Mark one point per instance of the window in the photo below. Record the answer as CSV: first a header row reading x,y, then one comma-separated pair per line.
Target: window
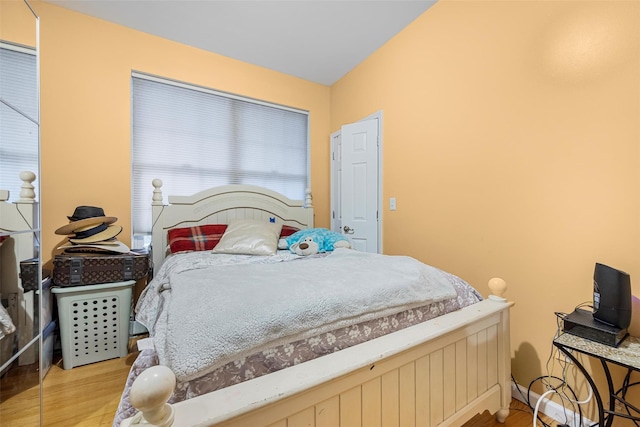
x,y
18,115
195,138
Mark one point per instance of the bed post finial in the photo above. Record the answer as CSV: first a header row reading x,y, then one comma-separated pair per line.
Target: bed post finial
x,y
498,287
157,191
307,198
27,193
149,394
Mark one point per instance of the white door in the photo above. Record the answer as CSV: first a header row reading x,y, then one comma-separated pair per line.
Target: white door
x,y
359,184
336,181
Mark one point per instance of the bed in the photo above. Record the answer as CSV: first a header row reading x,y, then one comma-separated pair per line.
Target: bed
x,y
436,359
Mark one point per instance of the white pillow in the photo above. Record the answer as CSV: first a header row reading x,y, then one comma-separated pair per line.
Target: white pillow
x,y
249,237
282,244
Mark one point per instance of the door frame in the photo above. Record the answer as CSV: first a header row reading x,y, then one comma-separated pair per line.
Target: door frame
x,y
334,138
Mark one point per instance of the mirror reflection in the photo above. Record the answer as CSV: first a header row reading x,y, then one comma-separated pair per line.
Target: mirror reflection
x,y
20,280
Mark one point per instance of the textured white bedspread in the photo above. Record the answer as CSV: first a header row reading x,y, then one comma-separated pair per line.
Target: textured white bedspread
x,y
216,315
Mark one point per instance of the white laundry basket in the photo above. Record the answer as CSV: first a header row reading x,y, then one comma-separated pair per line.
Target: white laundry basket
x,y
94,322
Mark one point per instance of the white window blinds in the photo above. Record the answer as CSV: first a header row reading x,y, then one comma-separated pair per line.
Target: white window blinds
x,y
195,138
18,115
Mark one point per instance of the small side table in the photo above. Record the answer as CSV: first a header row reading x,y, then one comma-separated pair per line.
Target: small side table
x,y
627,355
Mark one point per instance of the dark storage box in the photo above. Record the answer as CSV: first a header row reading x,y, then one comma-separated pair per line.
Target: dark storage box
x,y
90,269
29,274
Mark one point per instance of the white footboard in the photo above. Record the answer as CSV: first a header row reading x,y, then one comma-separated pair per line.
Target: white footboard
x,y
440,372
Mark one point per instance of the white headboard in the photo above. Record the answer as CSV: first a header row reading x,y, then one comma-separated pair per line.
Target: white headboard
x,y
219,205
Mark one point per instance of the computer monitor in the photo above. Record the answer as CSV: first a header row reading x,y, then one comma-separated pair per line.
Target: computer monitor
x,y
611,296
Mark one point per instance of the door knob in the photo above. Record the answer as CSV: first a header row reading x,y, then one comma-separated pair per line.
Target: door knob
x,y
348,230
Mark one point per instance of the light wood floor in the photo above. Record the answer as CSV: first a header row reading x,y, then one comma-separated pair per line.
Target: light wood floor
x,y
519,416
89,395
83,396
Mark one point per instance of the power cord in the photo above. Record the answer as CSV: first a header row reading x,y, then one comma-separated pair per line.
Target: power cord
x,y
564,391
535,412
621,394
575,402
546,381
527,400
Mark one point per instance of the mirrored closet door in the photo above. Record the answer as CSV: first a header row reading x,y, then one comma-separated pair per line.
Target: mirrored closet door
x,y
22,320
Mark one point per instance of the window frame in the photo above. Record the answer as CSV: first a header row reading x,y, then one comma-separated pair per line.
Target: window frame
x,y
14,184
139,238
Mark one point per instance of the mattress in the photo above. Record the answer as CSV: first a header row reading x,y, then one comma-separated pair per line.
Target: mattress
x,y
153,301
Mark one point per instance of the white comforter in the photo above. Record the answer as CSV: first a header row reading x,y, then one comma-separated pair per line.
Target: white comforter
x,y
216,315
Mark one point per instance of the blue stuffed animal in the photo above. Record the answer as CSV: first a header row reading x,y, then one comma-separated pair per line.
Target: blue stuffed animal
x,y
305,247
304,242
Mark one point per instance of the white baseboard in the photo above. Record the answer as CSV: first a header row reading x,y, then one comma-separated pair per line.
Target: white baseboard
x,y
549,407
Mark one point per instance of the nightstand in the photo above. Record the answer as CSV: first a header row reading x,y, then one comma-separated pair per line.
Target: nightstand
x,y
627,355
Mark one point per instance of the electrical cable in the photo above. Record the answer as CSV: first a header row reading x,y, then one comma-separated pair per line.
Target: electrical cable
x,y
565,392
535,412
622,391
587,400
563,384
585,304
574,402
526,400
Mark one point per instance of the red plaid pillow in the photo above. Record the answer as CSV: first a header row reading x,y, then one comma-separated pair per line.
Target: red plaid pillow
x,y
206,237
287,231
197,238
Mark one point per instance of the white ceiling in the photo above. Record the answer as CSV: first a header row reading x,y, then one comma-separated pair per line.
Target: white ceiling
x,y
317,40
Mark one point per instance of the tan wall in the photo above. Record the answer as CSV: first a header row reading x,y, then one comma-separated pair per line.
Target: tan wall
x,y
17,23
511,144
86,69
510,139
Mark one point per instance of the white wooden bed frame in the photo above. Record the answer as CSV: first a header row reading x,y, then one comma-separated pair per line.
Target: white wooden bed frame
x,y
219,205
439,372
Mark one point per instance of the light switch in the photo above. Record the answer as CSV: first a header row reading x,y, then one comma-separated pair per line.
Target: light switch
x,y
392,203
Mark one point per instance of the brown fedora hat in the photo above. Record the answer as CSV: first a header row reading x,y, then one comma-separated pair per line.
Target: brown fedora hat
x,y
83,217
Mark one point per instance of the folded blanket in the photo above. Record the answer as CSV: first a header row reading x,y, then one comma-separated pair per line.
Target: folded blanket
x,y
150,303
220,314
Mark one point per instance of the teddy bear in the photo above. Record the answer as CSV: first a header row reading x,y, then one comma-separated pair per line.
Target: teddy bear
x,y
305,247
314,240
